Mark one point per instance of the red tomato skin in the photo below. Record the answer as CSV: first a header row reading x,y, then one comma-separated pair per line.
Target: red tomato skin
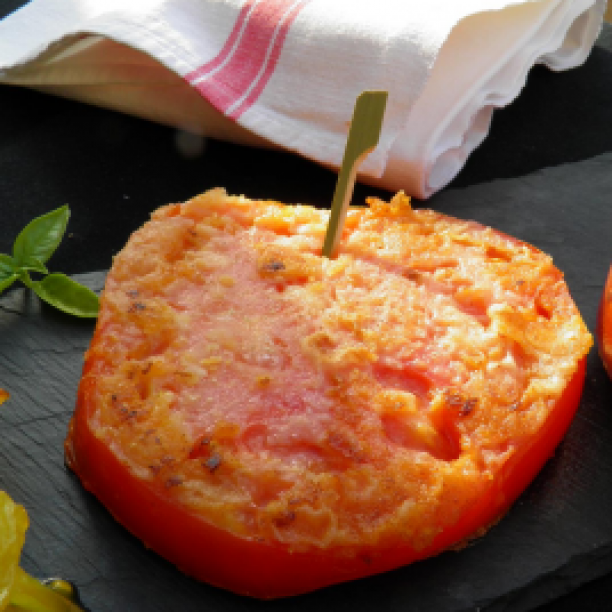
x,y
604,325
266,571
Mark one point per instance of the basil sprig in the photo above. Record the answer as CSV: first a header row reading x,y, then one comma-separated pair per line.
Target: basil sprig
x,y
32,248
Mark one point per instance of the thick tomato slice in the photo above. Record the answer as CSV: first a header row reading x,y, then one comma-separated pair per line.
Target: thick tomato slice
x,y
604,324
273,422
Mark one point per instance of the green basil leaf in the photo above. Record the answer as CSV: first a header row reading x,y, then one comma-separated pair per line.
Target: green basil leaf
x,y
8,271
66,295
24,277
38,240
34,265
7,281
7,264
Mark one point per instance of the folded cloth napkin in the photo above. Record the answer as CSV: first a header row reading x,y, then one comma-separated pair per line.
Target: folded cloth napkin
x,y
286,73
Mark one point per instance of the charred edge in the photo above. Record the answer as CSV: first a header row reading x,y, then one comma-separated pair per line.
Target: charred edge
x,y
285,518
463,406
173,481
273,266
136,307
213,462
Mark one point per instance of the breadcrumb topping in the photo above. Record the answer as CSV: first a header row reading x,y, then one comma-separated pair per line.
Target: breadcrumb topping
x,y
313,402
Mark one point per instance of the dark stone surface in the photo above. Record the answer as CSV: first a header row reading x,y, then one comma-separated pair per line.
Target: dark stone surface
x,y
551,147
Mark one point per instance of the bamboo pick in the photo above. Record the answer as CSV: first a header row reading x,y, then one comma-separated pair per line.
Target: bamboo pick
x,y
363,136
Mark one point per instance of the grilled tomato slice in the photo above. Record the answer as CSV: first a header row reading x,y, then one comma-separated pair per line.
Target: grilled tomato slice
x,y
272,421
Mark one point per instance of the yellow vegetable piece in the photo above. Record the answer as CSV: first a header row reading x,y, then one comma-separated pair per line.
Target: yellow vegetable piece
x,y
13,525
18,590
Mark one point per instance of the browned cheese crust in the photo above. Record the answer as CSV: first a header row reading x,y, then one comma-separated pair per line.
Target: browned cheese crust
x,y
366,399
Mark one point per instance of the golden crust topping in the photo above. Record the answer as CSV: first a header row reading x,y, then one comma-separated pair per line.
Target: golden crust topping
x,y
318,402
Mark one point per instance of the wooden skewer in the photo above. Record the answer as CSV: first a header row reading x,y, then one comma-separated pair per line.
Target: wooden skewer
x,y
363,136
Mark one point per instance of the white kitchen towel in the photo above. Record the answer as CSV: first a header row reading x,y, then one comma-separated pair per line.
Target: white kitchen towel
x,y
286,73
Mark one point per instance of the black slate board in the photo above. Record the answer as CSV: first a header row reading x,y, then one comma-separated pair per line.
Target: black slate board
x,y
113,170
557,536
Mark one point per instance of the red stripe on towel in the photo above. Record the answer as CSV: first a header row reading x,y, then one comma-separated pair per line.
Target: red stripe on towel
x,y
227,47
235,78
